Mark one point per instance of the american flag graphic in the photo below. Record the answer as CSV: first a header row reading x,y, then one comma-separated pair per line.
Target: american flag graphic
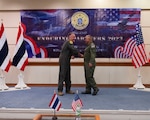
x,y
127,50
127,16
119,18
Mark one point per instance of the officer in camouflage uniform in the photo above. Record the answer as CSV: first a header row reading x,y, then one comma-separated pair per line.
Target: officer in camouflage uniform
x,y
68,51
89,66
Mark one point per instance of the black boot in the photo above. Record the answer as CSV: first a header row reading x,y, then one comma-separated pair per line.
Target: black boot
x,y
95,91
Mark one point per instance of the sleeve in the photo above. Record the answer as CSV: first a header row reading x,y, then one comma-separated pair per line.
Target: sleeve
x,y
73,50
93,53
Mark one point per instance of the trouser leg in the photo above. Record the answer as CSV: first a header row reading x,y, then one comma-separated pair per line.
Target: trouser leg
x,y
88,86
62,73
68,79
90,79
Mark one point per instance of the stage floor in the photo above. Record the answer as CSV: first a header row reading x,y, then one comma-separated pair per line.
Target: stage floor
x,y
107,98
109,101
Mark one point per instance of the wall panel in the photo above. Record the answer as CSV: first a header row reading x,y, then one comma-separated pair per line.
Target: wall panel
x,y
10,13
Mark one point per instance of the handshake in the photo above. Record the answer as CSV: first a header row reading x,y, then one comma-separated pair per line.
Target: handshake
x,y
79,54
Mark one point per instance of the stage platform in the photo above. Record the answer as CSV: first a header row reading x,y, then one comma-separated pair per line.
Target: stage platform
x,y
109,104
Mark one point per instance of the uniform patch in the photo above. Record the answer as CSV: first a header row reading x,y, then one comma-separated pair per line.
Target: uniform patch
x,y
92,45
70,42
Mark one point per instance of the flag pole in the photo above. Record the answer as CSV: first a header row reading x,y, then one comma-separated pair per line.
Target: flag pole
x,y
77,92
21,84
3,85
54,116
78,110
138,84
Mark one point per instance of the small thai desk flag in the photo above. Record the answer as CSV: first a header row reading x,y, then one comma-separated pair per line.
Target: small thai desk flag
x,y
77,102
55,103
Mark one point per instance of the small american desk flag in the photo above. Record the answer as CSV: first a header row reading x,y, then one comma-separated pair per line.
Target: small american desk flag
x,y
55,103
77,102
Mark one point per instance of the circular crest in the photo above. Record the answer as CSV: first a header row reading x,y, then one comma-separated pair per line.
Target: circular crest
x,y
80,20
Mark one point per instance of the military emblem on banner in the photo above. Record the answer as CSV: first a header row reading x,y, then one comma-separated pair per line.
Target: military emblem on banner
x,y
80,20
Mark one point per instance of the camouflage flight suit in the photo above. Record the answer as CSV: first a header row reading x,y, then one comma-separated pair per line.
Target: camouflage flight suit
x,y
64,62
89,57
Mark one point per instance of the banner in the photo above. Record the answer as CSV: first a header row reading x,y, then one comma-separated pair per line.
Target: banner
x,y
109,27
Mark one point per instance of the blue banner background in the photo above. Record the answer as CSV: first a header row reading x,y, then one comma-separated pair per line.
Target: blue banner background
x,y
109,27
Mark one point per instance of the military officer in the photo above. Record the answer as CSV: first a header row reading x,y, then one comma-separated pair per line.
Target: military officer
x,y
89,66
68,51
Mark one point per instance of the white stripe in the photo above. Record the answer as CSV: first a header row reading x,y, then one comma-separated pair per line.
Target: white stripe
x,y
5,62
135,62
23,59
42,53
57,107
53,101
143,53
19,42
7,59
140,55
31,45
2,40
136,59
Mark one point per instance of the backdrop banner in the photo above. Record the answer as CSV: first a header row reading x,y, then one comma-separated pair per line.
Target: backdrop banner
x,y
109,27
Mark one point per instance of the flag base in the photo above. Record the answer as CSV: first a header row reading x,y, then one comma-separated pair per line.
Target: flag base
x,y
138,84
54,117
78,118
21,84
3,85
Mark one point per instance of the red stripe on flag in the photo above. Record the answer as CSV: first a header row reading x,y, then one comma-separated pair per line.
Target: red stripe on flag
x,y
24,65
8,66
52,99
139,56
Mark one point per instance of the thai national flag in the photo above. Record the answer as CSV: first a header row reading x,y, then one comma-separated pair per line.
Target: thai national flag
x,y
20,59
4,55
55,102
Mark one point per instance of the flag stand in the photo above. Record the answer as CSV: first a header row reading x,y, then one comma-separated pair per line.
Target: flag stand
x,y
78,111
54,116
20,84
55,104
138,84
3,85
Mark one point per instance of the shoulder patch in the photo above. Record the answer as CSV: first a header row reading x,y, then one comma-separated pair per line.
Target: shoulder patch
x,y
92,45
70,42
